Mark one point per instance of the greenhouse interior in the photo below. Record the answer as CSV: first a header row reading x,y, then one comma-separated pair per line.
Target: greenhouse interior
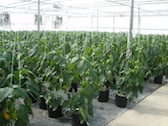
x,y
83,62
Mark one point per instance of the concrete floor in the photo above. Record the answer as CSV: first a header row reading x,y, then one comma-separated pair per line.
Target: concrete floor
x,y
152,111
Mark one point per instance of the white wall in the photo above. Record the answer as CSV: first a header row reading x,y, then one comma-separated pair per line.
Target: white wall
x,y
26,22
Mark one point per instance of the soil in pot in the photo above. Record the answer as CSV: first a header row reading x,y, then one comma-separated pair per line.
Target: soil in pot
x,y
104,96
42,104
75,118
120,101
74,86
56,113
158,79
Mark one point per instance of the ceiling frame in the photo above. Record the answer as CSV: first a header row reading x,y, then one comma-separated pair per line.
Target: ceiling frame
x,y
85,9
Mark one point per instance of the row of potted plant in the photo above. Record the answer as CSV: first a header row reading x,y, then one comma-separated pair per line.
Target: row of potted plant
x,y
95,62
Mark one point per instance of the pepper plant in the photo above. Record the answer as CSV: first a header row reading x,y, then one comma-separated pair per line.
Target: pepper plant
x,y
15,105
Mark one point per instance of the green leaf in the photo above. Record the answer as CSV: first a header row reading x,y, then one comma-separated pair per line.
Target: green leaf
x,y
94,76
83,113
20,55
31,52
66,76
23,114
65,104
33,83
90,111
7,56
54,104
71,66
20,122
62,60
28,103
82,67
67,48
4,92
9,76
21,92
4,63
88,64
74,59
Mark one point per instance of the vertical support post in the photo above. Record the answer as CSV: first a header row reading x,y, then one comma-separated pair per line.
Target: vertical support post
x,y
73,24
38,26
113,23
139,25
130,36
97,19
45,19
67,21
91,23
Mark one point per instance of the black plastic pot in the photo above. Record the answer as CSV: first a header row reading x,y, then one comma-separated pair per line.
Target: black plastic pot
x,y
42,104
158,79
55,114
104,96
120,101
74,86
75,118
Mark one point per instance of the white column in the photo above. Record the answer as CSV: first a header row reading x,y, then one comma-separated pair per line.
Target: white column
x,y
38,26
113,23
130,29
91,23
97,19
139,25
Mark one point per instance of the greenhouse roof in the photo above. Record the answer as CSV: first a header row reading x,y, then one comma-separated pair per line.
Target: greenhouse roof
x,y
87,8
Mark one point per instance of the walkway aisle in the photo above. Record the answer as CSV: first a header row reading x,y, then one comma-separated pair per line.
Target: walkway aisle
x,y
152,111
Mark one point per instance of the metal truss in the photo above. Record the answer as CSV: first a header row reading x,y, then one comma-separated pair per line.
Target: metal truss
x,y
85,8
